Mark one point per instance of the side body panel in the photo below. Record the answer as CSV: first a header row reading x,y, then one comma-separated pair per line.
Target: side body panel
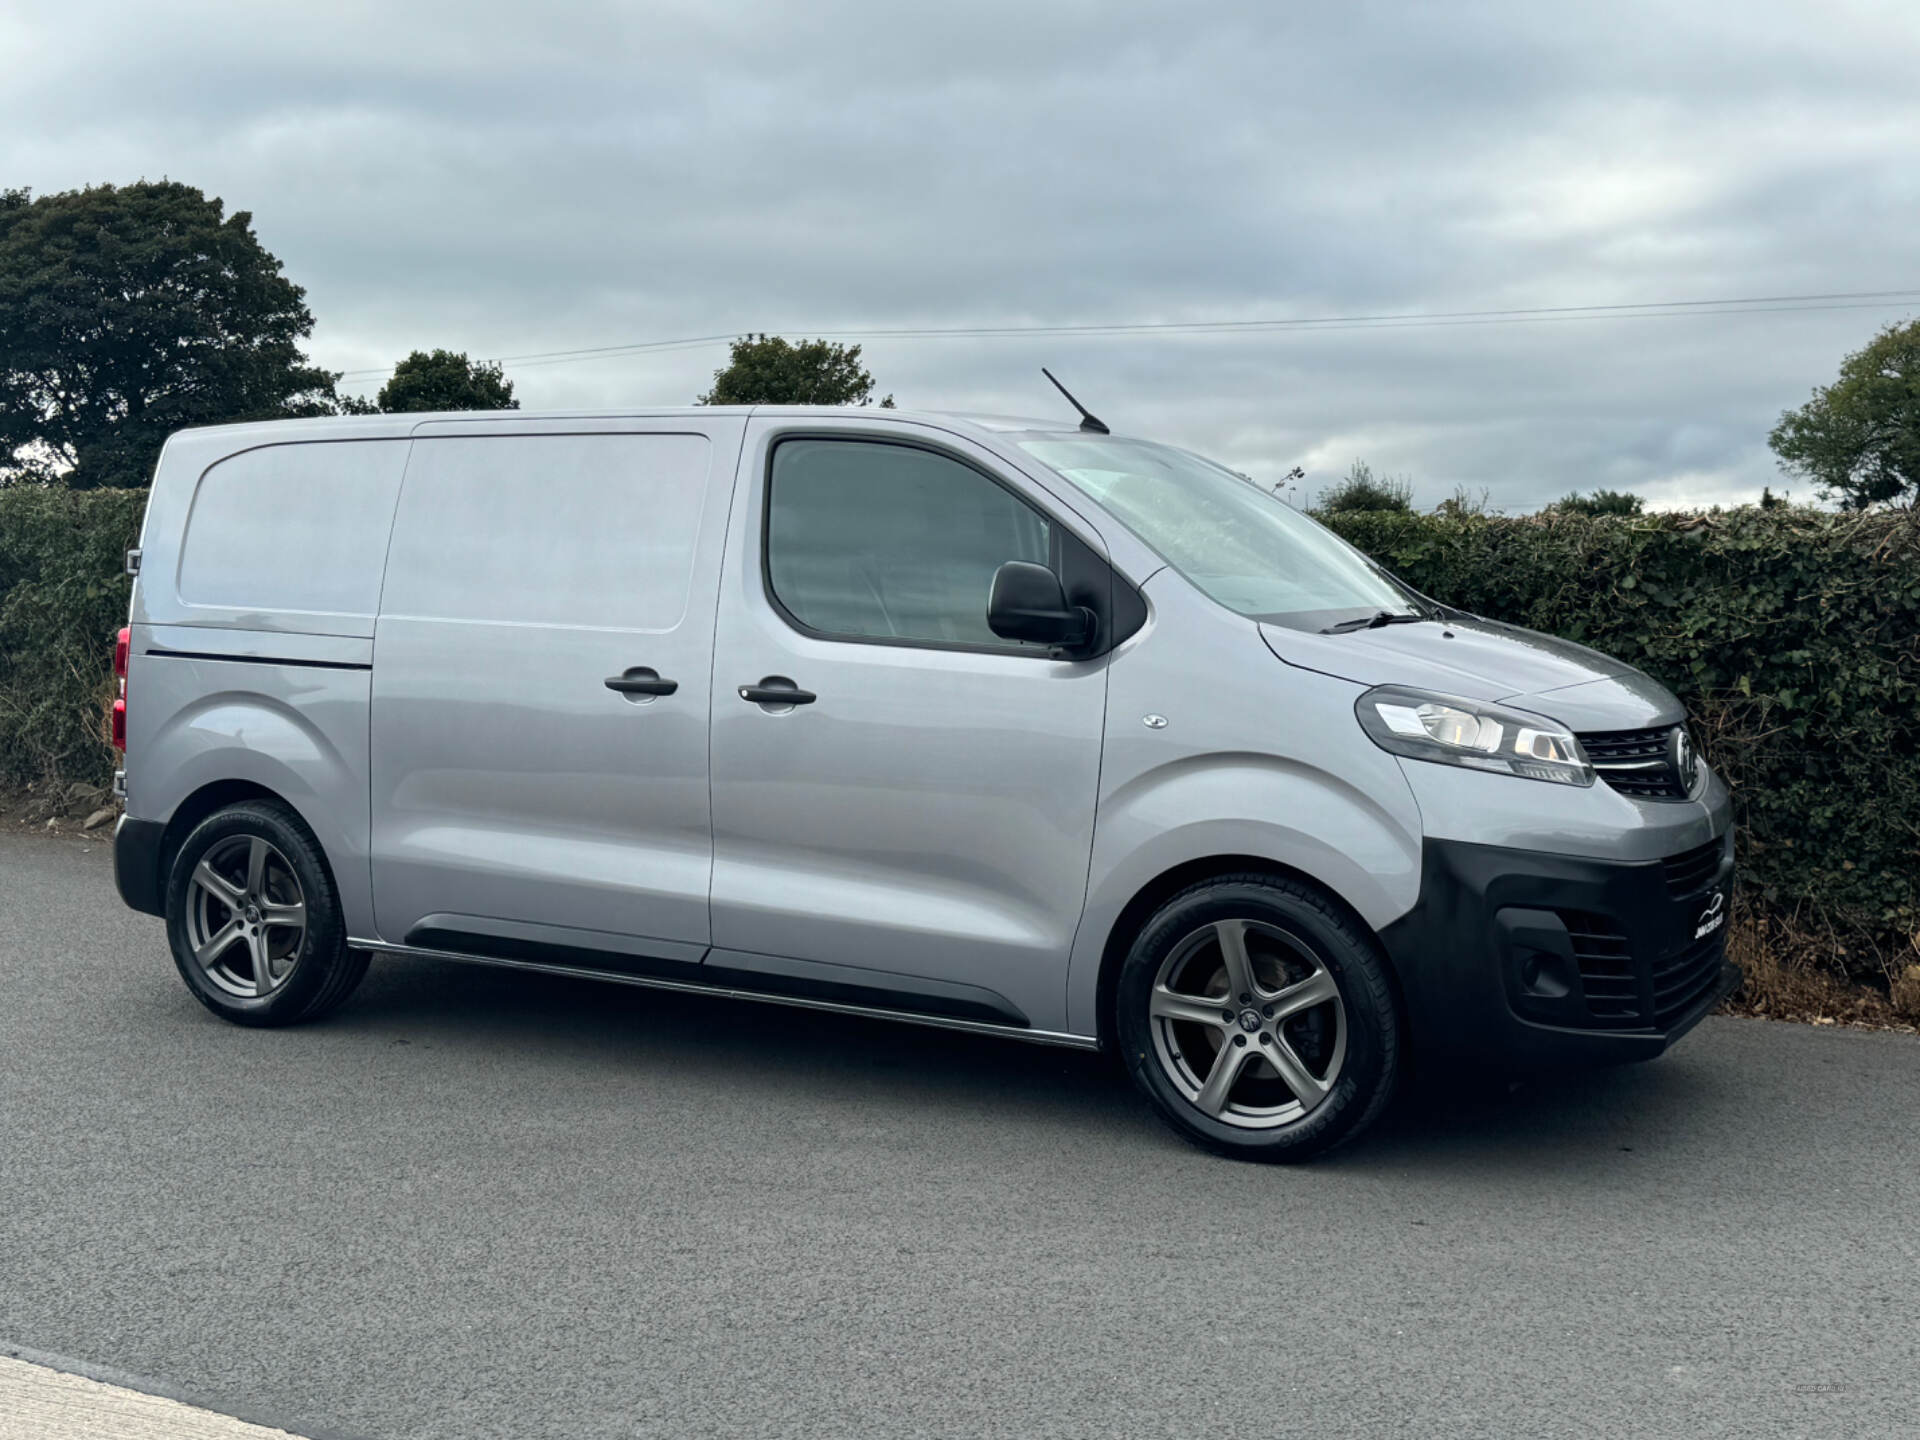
x,y
930,815
297,726
514,793
1254,759
251,656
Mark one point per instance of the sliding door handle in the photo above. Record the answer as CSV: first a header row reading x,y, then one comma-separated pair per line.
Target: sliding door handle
x,y
777,690
641,680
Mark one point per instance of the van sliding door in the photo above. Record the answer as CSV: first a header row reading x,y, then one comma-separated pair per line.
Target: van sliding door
x,y
542,686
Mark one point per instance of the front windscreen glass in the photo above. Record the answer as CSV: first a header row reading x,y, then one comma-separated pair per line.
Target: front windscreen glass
x,y
1247,549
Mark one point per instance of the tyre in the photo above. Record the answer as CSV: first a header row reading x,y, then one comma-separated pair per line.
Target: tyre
x,y
1257,1016
254,919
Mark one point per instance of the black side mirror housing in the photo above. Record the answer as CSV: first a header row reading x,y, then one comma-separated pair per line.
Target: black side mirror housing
x,y
1027,602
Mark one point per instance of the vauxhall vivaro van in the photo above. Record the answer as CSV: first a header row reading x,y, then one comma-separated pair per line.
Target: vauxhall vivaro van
x,y
997,725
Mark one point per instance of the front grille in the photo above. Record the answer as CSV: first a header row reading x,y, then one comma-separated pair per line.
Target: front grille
x,y
1635,762
1691,870
1608,976
1683,980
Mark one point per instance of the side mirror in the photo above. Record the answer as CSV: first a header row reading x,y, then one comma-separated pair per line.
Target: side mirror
x,y
1028,603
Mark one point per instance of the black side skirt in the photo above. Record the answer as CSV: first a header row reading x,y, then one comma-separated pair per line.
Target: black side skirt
x,y
771,975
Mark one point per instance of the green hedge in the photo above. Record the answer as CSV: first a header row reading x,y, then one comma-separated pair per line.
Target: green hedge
x,y
1792,635
63,594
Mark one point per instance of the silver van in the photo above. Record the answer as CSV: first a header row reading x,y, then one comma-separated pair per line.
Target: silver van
x,y
998,725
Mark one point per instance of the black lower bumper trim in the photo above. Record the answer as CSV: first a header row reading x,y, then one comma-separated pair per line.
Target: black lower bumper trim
x,y
136,864
1520,960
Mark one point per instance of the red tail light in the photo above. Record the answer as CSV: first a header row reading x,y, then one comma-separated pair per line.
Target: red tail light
x,y
121,644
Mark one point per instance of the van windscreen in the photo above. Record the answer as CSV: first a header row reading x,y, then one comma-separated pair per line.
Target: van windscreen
x,y
1247,549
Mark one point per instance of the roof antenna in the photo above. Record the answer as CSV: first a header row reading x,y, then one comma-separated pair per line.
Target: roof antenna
x,y
1088,420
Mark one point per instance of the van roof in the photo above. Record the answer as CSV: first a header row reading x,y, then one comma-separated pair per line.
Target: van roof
x,y
404,423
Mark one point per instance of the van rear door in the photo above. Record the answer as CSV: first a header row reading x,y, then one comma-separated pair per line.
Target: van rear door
x,y
541,691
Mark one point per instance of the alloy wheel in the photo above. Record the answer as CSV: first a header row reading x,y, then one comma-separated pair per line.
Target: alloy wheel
x,y
1248,1024
246,916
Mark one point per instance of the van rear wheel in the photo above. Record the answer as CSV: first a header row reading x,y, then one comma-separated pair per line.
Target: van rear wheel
x,y
1257,1016
254,919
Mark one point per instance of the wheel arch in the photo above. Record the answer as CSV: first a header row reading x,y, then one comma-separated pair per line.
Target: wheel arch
x,y
210,798
1162,887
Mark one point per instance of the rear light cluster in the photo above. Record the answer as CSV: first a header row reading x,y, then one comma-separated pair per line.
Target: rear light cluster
x,y
121,643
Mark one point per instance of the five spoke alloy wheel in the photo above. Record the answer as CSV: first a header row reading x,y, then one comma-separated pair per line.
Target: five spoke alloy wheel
x,y
246,916
254,920
1256,1012
1248,1024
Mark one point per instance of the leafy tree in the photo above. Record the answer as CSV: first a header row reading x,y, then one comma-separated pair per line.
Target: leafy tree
x,y
441,380
1859,438
768,370
1600,502
127,312
1363,490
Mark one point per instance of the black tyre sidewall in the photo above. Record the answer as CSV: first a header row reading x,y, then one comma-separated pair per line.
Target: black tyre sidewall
x,y
323,950
1367,1076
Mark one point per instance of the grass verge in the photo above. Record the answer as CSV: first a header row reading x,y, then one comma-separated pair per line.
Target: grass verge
x,y
1795,972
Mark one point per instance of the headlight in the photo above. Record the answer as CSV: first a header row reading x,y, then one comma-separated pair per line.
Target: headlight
x,y
1452,731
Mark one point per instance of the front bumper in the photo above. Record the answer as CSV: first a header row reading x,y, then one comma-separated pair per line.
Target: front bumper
x,y
1523,960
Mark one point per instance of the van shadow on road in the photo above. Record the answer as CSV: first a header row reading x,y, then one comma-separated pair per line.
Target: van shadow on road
x,y
1548,1122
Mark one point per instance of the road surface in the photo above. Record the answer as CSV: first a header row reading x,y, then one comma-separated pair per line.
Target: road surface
x,y
477,1203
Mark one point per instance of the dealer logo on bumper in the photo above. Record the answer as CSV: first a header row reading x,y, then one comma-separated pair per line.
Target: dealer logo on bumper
x,y
1713,917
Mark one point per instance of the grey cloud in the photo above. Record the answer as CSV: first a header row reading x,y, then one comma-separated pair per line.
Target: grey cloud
x,y
510,178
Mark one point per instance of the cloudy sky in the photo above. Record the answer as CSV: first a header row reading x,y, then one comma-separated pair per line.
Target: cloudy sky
x,y
510,179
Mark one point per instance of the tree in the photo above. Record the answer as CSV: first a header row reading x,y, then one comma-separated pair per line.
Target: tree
x,y
1859,438
1601,502
768,370
128,312
1363,490
441,380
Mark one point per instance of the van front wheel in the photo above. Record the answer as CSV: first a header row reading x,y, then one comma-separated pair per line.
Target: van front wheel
x,y
1257,1016
254,920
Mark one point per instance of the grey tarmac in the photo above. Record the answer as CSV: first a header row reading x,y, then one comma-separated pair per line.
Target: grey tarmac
x,y
480,1203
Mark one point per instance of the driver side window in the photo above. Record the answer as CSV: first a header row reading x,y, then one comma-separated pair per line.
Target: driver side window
x,y
876,541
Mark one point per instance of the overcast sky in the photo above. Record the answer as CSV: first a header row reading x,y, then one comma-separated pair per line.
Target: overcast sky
x,y
516,178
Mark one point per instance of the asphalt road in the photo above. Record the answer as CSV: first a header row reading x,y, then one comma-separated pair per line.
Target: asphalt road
x,y
485,1204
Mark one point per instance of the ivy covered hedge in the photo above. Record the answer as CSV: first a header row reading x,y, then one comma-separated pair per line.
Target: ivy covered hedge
x,y
1793,637
63,594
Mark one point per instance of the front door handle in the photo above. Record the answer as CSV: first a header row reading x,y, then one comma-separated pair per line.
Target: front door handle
x,y
777,690
641,680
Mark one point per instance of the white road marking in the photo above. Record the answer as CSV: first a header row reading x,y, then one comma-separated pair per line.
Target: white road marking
x,y
41,1404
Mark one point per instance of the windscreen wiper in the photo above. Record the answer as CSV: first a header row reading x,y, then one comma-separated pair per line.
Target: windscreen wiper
x,y
1376,620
